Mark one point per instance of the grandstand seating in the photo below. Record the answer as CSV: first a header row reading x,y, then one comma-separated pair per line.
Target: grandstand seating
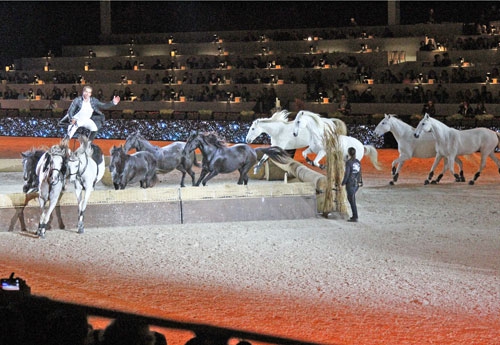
x,y
269,59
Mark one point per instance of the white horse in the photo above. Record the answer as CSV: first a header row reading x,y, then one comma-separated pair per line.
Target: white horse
x,y
280,130
409,146
451,142
312,125
86,168
51,171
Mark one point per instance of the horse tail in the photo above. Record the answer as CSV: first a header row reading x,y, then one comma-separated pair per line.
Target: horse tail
x,y
498,135
276,153
340,126
372,153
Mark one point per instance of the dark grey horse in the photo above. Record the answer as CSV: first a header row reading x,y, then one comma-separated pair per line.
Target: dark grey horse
x,y
138,167
168,157
219,158
30,159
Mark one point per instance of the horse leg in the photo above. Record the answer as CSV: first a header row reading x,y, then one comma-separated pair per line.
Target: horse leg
x,y
440,176
258,166
203,173
42,224
397,164
483,164
304,155
461,167
81,204
44,218
319,156
451,165
183,169
192,174
437,159
209,176
495,159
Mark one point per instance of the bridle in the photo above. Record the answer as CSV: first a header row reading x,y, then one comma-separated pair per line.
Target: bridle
x,y
61,171
79,172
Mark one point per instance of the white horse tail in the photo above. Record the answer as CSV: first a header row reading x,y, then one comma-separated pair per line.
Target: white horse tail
x,y
372,153
340,126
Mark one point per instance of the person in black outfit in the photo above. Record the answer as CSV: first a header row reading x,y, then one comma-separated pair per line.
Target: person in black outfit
x,y
429,108
352,181
465,109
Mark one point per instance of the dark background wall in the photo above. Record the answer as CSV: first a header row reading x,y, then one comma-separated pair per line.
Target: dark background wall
x,y
31,28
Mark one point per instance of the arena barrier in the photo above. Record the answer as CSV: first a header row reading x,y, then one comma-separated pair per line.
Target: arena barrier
x,y
275,200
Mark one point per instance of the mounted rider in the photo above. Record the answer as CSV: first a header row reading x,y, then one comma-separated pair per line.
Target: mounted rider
x,y
85,111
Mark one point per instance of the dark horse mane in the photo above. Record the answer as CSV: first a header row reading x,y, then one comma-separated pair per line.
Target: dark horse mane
x,y
213,139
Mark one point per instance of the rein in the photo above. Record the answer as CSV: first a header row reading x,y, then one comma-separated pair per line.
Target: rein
x,y
61,172
79,172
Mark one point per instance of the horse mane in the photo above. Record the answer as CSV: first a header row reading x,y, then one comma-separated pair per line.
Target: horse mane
x,y
59,150
316,118
213,139
318,129
280,116
85,147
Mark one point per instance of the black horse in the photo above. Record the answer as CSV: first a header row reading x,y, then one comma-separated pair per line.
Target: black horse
x,y
30,160
168,157
219,158
138,167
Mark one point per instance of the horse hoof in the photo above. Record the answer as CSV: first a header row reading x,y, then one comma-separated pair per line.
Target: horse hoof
x,y
433,182
391,183
471,182
322,167
426,182
462,179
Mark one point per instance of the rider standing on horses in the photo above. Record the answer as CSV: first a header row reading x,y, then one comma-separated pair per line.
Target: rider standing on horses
x,y
85,112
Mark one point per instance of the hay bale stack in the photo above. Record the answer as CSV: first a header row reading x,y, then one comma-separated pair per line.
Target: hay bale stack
x,y
335,197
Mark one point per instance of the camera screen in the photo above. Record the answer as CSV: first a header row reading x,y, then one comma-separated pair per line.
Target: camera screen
x,y
10,285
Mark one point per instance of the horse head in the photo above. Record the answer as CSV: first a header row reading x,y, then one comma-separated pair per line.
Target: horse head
x,y
117,154
133,142
55,165
192,142
298,124
425,125
213,139
384,126
29,161
254,131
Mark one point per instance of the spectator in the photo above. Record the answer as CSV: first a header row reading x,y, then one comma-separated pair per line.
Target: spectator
x,y
128,330
480,109
437,61
446,61
367,96
344,106
429,108
22,94
100,95
465,109
158,65
67,326
432,19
